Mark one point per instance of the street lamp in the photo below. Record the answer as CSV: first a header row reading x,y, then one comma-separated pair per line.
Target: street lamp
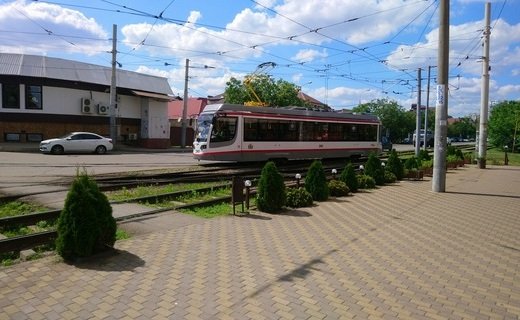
x,y
298,177
334,172
361,168
506,159
247,184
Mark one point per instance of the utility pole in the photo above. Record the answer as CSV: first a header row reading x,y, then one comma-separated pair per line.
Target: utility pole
x,y
484,97
418,116
113,125
185,106
441,106
427,106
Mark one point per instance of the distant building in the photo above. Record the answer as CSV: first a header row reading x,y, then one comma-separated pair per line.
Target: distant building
x,y
43,97
175,111
315,103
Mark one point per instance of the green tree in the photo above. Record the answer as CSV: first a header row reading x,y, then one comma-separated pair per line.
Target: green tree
x,y
271,195
316,182
465,128
278,93
504,124
394,118
85,225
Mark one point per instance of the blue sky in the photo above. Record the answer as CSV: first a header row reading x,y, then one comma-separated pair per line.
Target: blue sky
x,y
342,52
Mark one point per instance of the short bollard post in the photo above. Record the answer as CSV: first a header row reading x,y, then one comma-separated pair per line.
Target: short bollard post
x,y
237,193
334,172
506,159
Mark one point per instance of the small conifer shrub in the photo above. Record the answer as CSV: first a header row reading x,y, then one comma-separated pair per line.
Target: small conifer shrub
x,y
395,165
374,169
316,182
271,194
86,225
348,176
298,197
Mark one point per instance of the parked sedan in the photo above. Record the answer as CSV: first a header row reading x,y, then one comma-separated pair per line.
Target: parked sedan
x,y
77,142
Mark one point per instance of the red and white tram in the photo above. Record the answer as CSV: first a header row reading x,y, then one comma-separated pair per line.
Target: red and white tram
x,y
227,132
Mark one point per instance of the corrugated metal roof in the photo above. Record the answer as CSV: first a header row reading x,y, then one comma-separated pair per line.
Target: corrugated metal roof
x,y
56,68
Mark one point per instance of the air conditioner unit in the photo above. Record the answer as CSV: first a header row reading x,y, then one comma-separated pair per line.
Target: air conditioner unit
x,y
132,136
102,109
86,105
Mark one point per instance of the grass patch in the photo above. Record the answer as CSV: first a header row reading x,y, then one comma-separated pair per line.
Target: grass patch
x,y
17,208
496,156
150,190
192,197
217,210
121,234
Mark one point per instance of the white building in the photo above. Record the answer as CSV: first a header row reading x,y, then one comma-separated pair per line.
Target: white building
x,y
42,97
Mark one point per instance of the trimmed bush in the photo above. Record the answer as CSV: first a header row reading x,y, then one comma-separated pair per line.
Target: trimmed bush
x,y
271,189
390,177
424,155
366,182
316,182
338,188
411,163
298,197
85,225
348,176
395,165
374,169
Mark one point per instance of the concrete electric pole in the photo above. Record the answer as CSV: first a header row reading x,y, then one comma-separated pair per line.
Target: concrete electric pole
x,y
113,125
441,107
418,116
484,97
185,106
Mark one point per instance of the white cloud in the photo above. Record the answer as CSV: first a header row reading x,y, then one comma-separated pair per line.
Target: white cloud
x,y
308,55
29,22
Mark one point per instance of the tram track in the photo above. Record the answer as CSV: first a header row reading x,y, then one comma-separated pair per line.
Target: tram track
x,y
210,173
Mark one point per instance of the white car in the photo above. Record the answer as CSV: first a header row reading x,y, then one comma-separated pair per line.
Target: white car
x,y
77,142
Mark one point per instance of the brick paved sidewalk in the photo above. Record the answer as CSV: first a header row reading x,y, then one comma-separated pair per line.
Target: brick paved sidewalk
x,y
398,252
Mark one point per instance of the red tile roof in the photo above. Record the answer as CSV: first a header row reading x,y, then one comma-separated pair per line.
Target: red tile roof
x,y
195,106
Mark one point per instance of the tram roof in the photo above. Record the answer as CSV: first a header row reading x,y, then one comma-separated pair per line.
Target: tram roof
x,y
288,111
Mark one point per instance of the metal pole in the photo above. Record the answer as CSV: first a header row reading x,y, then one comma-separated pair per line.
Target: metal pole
x,y
484,100
185,106
418,116
113,125
427,106
441,106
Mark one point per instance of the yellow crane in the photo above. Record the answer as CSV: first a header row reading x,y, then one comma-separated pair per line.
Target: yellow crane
x,y
260,70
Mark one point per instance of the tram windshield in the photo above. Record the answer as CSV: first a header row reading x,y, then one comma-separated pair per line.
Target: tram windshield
x,y
203,127
216,128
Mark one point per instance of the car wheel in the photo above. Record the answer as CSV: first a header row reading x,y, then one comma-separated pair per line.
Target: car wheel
x,y
101,149
57,149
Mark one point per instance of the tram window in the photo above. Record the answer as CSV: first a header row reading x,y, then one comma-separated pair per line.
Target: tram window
x,y
335,131
287,131
224,129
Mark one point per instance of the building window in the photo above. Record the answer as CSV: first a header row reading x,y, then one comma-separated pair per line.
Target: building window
x,y
10,96
34,137
33,97
12,137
